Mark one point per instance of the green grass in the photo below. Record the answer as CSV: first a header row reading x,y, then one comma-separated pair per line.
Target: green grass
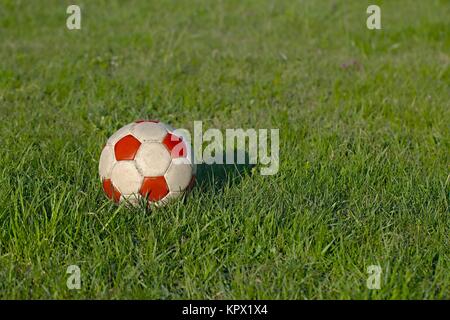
x,y
364,119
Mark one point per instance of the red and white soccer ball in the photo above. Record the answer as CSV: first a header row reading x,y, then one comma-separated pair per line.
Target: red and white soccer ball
x,y
146,160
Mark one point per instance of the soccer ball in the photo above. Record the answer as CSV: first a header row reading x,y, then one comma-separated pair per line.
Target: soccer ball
x,y
146,161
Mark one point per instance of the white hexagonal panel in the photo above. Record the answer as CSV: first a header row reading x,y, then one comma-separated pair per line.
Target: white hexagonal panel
x,y
149,131
153,159
189,157
106,162
178,175
126,177
133,199
119,134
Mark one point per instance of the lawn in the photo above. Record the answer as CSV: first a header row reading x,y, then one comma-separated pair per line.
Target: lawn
x,y
364,120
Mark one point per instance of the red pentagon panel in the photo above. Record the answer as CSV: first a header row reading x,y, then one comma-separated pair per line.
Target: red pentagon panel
x,y
111,192
140,121
175,145
126,148
154,188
